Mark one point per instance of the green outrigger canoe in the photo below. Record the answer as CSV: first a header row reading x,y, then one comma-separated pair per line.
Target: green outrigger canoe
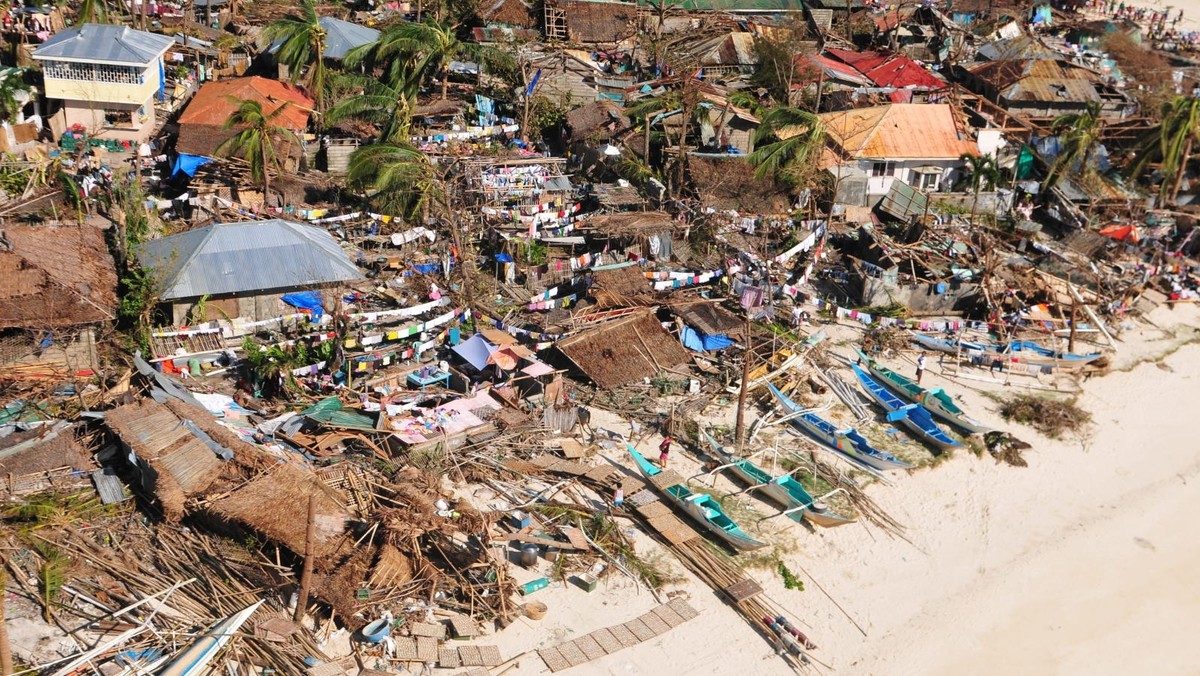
x,y
704,509
935,399
784,490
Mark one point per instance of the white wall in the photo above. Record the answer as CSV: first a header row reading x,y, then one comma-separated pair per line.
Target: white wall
x,y
904,170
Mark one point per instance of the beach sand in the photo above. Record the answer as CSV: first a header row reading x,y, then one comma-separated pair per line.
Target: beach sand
x,y
1077,564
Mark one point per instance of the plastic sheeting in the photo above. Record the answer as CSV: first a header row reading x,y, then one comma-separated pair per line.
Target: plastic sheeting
x,y
475,351
188,164
699,342
309,301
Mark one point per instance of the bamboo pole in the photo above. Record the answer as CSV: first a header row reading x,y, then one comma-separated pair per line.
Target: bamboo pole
x,y
6,663
309,547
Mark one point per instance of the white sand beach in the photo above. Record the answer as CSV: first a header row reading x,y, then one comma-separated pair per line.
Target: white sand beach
x,y
1077,564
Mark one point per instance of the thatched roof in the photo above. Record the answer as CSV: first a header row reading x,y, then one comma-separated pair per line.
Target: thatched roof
x,y
709,318
729,183
515,13
440,108
41,450
626,281
624,351
53,277
629,223
598,118
599,22
276,505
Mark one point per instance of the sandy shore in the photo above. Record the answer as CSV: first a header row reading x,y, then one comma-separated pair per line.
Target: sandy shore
x,y
1078,564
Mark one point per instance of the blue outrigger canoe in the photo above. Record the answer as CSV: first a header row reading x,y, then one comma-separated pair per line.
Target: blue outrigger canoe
x,y
784,490
704,509
848,442
913,416
935,400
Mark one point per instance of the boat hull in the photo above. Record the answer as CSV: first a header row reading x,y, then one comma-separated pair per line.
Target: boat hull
x,y
849,442
701,508
930,399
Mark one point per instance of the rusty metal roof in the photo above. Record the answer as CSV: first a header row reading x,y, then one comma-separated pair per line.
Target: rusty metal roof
x,y
898,131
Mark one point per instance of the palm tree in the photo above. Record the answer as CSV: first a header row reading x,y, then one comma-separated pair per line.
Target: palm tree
x,y
92,11
12,84
787,143
409,54
1169,144
257,140
1079,134
396,178
301,40
379,104
985,174
682,101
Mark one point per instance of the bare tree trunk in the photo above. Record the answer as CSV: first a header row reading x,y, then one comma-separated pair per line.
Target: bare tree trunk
x,y
309,554
1179,174
1074,314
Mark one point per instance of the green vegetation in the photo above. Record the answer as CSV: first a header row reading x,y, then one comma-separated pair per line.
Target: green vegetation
x,y
790,581
301,48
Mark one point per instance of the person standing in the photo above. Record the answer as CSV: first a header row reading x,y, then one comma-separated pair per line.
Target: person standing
x,y
619,498
920,367
664,451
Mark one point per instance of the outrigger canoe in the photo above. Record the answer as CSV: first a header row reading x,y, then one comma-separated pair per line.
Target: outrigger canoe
x,y
913,416
783,490
935,400
848,442
1025,351
704,509
195,658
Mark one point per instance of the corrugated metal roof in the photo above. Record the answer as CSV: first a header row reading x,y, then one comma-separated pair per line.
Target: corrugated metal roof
x,y
888,70
217,100
98,43
898,131
227,258
1048,80
342,36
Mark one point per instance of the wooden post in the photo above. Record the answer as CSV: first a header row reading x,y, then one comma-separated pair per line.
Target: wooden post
x,y
306,572
6,663
1074,316
740,432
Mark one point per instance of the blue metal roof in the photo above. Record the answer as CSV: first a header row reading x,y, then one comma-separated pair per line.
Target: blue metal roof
x,y
342,36
99,43
239,258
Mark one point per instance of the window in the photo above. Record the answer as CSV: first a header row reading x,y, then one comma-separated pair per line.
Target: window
x,y
118,118
91,72
883,169
929,181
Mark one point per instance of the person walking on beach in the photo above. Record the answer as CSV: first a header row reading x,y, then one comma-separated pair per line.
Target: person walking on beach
x,y
920,367
664,451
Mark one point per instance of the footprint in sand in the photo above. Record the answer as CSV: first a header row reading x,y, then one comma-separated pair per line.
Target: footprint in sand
x,y
1146,543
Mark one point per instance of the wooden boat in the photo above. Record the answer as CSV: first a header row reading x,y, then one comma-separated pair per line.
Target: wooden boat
x,y
848,442
935,400
783,490
704,509
1024,351
1032,353
195,658
913,416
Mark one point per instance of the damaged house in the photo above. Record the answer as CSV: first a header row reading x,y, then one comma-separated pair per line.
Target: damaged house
x,y
1043,89
241,270
58,290
871,148
624,351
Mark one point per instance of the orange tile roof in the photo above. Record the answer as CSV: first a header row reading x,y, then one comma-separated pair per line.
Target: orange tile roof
x,y
898,131
215,102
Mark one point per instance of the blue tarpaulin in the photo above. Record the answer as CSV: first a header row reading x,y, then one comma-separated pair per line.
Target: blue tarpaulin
x,y
306,300
699,342
188,164
503,258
